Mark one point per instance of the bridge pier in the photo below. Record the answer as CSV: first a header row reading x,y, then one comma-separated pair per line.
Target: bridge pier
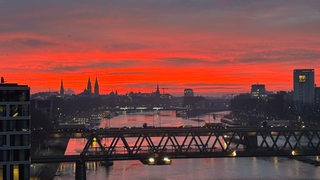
x,y
81,170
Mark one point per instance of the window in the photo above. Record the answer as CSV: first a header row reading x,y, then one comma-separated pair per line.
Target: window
x,y
19,110
3,140
14,95
22,125
302,78
3,126
3,110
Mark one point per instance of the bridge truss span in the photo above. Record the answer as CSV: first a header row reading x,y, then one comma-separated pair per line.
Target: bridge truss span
x,y
195,142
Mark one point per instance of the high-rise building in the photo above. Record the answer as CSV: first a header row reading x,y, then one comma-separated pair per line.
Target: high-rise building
x,y
258,91
317,96
96,87
14,131
61,88
89,87
304,88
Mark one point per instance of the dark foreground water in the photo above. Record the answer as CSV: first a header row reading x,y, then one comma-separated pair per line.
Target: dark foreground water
x,y
213,168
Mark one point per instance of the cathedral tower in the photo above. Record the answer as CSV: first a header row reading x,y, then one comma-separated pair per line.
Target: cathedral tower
x,y
96,87
89,88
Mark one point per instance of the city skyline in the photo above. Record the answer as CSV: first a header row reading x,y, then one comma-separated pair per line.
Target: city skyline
x,y
88,88
212,47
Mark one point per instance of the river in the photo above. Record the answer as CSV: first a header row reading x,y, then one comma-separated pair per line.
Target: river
x,y
209,168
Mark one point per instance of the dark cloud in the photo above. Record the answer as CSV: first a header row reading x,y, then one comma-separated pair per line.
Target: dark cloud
x,y
212,15
96,64
181,61
286,55
130,73
28,43
123,46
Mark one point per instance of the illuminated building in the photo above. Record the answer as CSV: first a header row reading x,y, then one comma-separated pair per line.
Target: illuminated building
x,y
304,88
258,91
14,131
188,93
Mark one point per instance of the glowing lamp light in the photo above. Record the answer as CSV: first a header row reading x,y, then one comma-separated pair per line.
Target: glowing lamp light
x,y
94,139
234,153
293,153
151,160
166,159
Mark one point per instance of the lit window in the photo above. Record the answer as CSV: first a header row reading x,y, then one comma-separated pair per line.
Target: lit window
x,y
302,78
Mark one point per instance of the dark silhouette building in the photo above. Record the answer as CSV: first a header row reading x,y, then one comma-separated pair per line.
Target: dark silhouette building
x,y
304,88
14,131
89,87
96,87
188,93
317,96
258,91
158,90
61,88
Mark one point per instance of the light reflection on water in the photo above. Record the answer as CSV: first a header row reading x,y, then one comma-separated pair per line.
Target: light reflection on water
x,y
210,168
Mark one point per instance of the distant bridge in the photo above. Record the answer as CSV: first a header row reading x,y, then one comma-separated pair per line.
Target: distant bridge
x,y
191,111
193,142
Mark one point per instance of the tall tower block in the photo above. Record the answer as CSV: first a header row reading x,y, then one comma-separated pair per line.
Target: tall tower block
x,y
14,131
304,88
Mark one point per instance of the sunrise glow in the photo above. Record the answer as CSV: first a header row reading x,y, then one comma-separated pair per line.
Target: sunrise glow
x,y
213,47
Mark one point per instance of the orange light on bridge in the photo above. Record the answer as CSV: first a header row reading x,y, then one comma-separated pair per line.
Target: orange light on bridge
x,y
234,153
95,143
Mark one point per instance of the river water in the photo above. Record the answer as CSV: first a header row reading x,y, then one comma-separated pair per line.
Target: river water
x,y
209,168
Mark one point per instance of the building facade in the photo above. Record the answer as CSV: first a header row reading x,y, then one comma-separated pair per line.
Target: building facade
x,y
317,96
304,88
14,131
258,91
188,93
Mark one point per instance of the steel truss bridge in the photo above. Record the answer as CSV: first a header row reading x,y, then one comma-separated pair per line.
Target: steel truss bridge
x,y
196,142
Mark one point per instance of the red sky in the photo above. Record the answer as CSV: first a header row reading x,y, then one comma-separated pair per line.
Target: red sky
x,y
214,47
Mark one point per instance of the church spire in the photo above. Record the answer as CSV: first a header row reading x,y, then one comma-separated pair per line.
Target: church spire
x,y
96,87
61,88
89,88
158,90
